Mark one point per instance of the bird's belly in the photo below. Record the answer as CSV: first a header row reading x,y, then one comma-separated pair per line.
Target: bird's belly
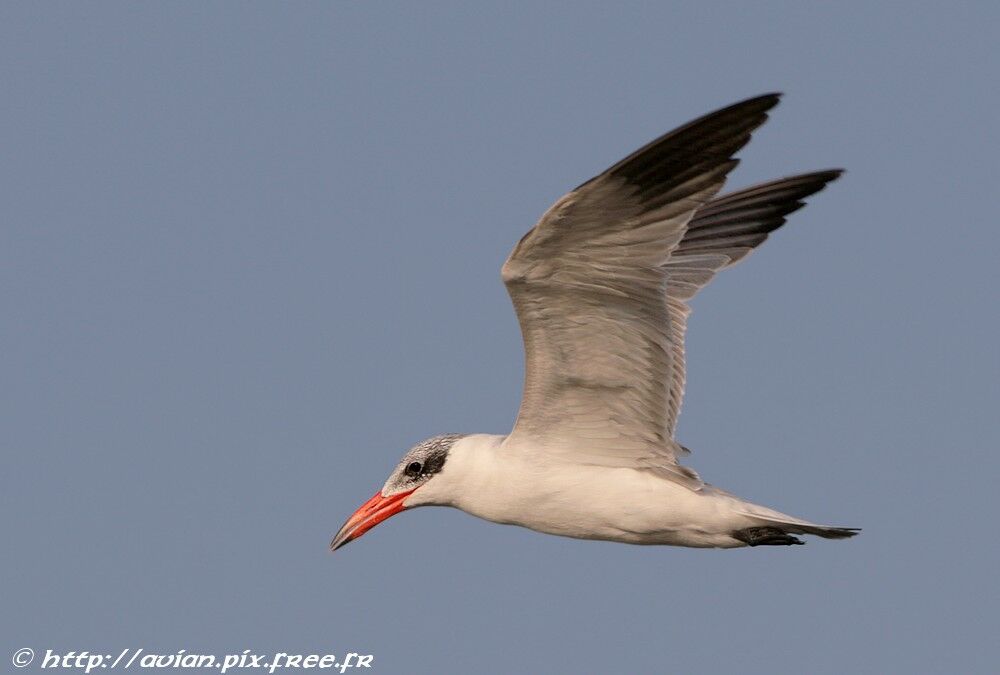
x,y
624,505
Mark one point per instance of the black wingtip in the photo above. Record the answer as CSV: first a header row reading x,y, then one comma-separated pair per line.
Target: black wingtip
x,y
843,532
754,105
830,174
695,148
774,96
766,101
814,181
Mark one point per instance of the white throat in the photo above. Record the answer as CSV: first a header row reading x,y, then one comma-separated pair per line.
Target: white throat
x,y
473,465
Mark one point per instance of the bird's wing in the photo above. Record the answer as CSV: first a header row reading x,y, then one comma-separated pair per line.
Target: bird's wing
x,y
720,234
602,301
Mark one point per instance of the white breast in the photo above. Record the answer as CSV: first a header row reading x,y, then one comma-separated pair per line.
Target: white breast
x,y
582,501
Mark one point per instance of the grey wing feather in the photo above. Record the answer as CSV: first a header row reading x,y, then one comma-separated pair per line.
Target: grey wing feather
x,y
735,224
588,285
721,234
600,286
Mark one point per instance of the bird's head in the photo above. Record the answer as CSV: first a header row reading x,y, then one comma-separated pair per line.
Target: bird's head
x,y
410,484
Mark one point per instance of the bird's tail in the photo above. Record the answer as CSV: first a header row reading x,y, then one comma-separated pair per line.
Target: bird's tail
x,y
782,524
825,531
789,525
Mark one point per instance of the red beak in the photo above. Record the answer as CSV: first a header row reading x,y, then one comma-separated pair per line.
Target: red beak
x,y
371,513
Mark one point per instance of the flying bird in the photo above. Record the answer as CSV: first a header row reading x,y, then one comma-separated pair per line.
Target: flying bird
x,y
601,287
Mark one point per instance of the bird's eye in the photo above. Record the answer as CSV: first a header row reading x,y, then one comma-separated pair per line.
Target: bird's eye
x,y
413,469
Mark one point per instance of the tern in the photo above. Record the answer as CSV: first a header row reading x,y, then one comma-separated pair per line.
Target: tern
x,y
601,287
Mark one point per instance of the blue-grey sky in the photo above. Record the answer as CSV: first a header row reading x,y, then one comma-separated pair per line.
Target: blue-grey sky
x,y
250,253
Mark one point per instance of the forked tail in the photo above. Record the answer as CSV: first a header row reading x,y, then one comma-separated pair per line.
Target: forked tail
x,y
773,528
